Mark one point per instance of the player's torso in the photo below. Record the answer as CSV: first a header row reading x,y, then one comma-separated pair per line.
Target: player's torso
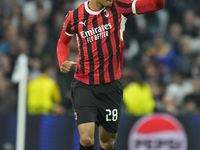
x,y
99,38
97,30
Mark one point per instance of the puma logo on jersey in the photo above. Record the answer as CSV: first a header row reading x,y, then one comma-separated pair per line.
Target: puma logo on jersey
x,y
84,23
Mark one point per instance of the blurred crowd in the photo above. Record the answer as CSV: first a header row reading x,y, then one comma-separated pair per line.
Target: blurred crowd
x,y
161,58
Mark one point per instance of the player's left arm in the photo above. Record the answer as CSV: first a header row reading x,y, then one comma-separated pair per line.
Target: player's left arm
x,y
145,6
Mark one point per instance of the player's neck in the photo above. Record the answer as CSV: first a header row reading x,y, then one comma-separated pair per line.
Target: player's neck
x,y
93,5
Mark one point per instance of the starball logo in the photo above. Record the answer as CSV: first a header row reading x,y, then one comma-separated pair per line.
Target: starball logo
x,y
96,33
157,132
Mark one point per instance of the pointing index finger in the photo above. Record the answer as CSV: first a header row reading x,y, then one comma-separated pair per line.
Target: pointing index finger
x,y
74,63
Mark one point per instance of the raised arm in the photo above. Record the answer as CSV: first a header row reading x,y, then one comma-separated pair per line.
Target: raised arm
x,y
145,6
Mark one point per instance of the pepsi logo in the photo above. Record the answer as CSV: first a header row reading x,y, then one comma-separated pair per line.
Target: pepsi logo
x,y
157,132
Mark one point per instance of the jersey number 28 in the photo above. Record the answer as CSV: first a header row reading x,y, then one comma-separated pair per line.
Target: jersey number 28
x,y
112,115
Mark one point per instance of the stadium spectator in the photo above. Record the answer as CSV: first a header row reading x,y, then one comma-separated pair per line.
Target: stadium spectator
x,y
183,61
44,94
127,76
137,96
9,43
16,16
56,26
158,90
41,43
8,98
195,68
2,74
5,64
37,10
162,53
174,35
7,6
152,74
35,67
189,26
192,101
189,107
179,88
195,95
195,42
176,9
25,28
170,106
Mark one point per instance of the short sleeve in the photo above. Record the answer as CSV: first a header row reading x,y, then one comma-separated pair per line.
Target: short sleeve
x,y
68,24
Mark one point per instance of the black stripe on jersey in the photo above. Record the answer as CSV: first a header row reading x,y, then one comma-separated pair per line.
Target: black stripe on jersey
x,y
89,50
82,55
110,49
76,19
100,53
127,14
124,5
68,29
116,33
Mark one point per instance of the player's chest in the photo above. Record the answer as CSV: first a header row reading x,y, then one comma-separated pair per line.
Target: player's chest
x,y
95,27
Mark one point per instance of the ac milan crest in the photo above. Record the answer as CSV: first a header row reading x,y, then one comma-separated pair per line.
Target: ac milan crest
x,y
106,13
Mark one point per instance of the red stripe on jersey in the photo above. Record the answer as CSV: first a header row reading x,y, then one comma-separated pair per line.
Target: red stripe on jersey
x,y
114,46
83,45
105,53
106,63
72,21
97,28
95,57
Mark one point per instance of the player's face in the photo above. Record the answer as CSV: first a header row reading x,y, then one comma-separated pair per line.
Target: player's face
x,y
105,3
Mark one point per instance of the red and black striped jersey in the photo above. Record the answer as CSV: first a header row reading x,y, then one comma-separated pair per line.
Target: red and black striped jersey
x,y
100,38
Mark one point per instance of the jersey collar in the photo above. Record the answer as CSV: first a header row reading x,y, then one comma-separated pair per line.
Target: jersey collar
x,y
91,11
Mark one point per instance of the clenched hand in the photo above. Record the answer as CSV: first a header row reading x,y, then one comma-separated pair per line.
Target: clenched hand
x,y
66,66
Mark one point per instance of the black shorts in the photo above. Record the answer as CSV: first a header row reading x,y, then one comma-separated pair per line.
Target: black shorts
x,y
97,103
